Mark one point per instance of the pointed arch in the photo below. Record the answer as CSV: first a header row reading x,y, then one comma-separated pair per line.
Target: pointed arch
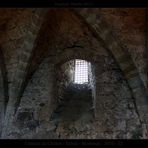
x,y
103,33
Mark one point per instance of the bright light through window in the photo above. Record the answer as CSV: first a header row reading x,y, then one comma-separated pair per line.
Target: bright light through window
x,y
81,71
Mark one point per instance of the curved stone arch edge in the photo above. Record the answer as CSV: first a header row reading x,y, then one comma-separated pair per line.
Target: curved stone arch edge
x,y
132,81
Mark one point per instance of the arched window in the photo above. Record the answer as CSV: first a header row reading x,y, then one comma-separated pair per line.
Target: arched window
x,y
75,88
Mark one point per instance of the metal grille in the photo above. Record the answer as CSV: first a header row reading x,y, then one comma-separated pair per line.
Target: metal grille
x,y
81,71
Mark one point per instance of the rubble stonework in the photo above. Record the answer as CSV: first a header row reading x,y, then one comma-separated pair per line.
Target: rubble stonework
x,y
37,45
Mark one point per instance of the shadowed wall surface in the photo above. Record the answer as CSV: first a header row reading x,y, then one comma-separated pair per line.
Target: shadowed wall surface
x,y
36,42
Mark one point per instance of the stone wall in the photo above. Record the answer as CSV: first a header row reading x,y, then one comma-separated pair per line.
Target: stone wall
x,y
64,77
116,115
37,104
129,26
92,82
1,103
68,70
33,47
